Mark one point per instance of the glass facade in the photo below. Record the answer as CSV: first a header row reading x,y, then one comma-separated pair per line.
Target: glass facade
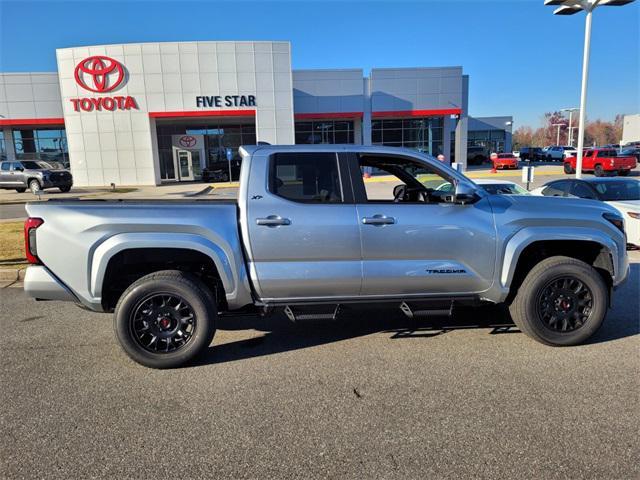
x,y
3,151
217,138
423,134
48,144
491,140
325,131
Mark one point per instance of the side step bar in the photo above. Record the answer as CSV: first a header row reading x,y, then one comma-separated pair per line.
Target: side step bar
x,y
427,309
315,312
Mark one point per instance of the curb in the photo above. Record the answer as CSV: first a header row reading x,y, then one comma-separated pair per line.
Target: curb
x,y
12,274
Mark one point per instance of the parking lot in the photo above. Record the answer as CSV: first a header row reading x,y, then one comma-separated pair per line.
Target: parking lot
x,y
370,395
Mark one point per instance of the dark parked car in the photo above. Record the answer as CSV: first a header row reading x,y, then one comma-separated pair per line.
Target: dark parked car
x,y
477,155
631,152
529,154
35,175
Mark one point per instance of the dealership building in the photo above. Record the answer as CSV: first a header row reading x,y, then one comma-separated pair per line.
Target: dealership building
x,y
150,113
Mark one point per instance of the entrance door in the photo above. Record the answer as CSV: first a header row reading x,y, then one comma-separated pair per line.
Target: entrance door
x,y
414,240
185,166
188,164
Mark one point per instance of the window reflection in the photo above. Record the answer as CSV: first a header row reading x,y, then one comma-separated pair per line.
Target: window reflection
x,y
47,144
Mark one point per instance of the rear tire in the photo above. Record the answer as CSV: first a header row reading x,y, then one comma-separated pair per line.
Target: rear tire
x,y
567,169
34,186
65,189
182,327
598,171
21,190
623,173
560,316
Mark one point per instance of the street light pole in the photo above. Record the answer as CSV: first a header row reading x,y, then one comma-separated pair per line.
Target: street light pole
x,y
583,91
559,125
570,127
570,7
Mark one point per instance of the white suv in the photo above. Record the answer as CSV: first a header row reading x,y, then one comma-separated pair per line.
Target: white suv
x,y
558,153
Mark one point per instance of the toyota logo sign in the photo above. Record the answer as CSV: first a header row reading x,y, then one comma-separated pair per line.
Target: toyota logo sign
x,y
187,141
99,74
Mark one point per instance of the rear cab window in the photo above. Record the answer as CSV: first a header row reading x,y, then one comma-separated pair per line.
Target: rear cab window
x,y
312,177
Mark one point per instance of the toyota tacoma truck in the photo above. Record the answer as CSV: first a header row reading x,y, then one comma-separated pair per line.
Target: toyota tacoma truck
x,y
308,234
602,161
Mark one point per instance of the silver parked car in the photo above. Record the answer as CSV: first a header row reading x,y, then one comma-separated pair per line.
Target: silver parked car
x,y
35,175
308,234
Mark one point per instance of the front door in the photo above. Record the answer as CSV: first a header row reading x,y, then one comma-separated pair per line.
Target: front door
x,y
304,239
415,241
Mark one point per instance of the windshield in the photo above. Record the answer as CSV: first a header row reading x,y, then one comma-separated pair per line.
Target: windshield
x,y
618,190
32,165
504,189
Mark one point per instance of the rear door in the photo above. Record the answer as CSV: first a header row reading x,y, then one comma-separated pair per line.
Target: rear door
x,y
303,231
417,247
5,168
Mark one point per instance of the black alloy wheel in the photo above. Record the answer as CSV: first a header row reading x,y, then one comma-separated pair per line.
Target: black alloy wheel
x,y
165,319
163,322
565,304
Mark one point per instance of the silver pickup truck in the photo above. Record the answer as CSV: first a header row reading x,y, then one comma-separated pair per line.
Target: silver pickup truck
x,y
308,234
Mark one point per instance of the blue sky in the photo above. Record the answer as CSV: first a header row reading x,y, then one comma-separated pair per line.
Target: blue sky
x,y
522,60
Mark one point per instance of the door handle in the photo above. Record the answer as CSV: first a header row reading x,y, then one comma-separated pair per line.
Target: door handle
x,y
378,220
273,221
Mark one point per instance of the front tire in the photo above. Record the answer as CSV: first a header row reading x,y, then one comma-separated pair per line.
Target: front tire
x,y
623,173
165,319
21,190
567,169
561,302
34,186
65,189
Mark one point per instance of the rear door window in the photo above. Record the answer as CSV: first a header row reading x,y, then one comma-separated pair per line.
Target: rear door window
x,y
556,189
5,166
306,177
580,190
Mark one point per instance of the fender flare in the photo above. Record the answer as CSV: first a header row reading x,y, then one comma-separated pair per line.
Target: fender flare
x,y
525,237
127,241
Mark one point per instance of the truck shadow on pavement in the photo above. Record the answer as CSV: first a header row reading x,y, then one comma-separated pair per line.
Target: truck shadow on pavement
x,y
282,335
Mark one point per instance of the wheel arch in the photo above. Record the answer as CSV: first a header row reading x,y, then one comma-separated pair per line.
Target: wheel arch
x,y
159,251
525,250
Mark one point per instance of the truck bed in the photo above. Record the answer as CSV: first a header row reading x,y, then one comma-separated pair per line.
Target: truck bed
x,y
79,237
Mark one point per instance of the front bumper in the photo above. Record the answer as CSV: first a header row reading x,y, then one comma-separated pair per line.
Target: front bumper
x,y
56,182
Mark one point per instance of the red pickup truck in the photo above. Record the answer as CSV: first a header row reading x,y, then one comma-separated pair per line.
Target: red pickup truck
x,y
601,161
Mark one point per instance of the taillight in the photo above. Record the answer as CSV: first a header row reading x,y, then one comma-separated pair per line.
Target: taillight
x,y
30,226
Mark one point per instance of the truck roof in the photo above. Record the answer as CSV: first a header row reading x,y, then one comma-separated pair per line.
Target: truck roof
x,y
332,147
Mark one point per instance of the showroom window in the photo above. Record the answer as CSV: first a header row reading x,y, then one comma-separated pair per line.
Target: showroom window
x,y
217,139
324,132
48,144
423,134
3,151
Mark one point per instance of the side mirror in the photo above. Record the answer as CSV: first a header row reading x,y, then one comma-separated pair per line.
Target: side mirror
x,y
465,193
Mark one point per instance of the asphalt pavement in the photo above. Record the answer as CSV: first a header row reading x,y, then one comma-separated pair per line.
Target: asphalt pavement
x,y
370,395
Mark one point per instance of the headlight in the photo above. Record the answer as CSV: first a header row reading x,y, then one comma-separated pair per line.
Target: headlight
x,y
615,220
